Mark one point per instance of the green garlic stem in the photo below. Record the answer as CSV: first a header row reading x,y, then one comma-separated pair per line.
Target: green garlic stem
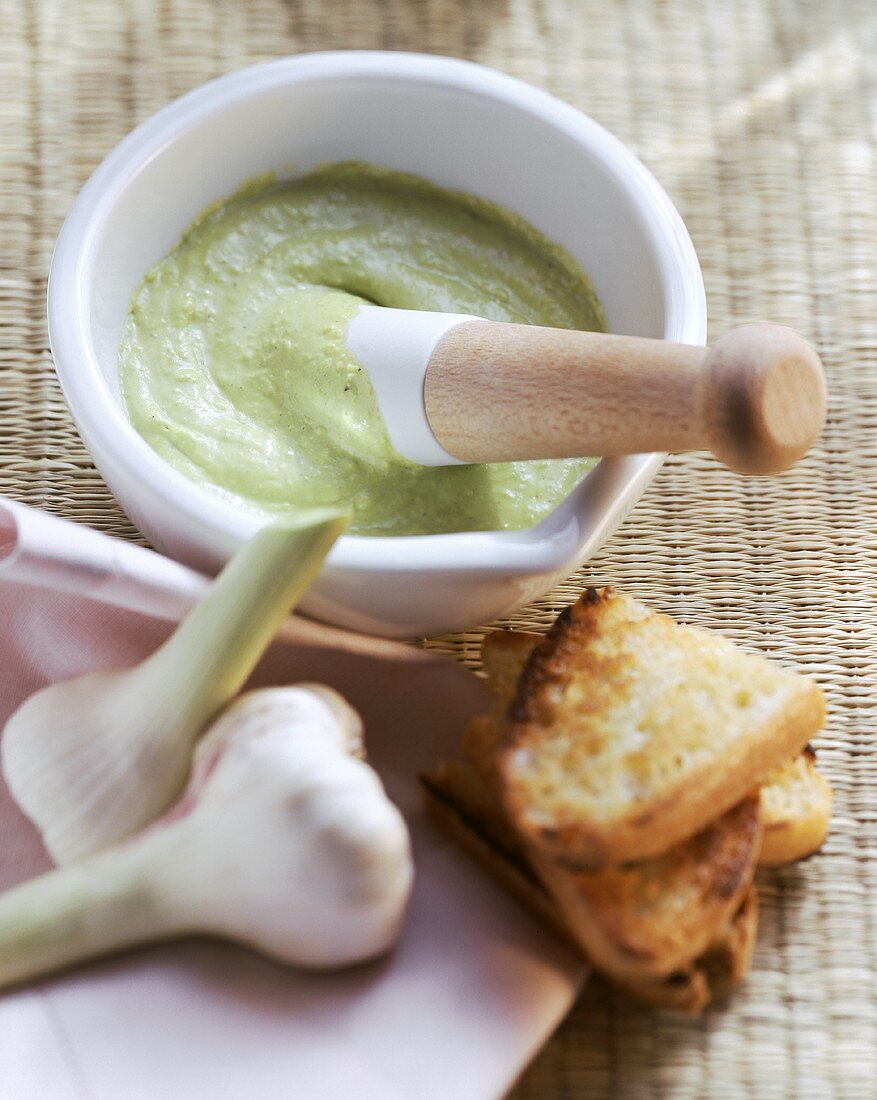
x,y
213,651
80,912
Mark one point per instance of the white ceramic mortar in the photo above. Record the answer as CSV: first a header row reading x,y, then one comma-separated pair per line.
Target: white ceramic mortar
x,y
458,124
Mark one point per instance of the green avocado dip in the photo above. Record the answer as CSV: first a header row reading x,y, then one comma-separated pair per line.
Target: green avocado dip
x,y
234,366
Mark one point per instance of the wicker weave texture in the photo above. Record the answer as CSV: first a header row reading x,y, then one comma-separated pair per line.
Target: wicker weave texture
x,y
759,119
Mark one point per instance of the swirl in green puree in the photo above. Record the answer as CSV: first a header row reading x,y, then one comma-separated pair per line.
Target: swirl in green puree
x,y
234,366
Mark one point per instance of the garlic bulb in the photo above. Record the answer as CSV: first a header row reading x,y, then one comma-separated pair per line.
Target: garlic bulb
x,y
92,760
283,840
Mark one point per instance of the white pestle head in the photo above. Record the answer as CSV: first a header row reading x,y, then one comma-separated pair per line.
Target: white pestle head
x,y
394,347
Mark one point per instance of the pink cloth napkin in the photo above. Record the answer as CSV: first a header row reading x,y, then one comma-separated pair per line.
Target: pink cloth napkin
x,y
472,991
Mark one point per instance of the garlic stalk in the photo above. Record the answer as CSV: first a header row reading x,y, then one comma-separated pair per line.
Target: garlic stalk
x,y
92,760
283,840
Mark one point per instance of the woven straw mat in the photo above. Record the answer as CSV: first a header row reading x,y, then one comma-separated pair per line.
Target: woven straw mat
x,y
755,116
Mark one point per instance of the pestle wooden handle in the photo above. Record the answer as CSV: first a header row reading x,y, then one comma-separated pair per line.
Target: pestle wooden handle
x,y
495,392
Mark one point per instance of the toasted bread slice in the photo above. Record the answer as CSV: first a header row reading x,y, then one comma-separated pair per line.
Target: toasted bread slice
x,y
687,988
643,921
649,919
481,741
795,798
630,733
691,988
796,810
729,959
503,656
637,921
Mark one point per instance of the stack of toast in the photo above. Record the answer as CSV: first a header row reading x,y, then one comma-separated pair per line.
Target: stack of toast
x,y
632,775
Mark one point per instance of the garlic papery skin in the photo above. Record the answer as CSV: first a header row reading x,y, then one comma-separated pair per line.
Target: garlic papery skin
x,y
282,841
93,760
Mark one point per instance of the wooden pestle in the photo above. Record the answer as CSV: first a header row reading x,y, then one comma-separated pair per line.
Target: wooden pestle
x,y
496,392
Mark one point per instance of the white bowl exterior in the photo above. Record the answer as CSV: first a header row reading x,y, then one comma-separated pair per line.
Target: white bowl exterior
x,y
458,124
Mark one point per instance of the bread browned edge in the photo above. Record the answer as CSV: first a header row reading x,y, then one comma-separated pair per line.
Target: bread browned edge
x,y
709,791
687,989
729,960
716,867
503,656
691,988
800,837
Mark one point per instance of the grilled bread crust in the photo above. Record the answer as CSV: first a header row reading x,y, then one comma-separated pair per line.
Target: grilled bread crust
x,y
649,919
503,657
672,928
638,922
795,798
796,810
629,733
727,961
688,987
